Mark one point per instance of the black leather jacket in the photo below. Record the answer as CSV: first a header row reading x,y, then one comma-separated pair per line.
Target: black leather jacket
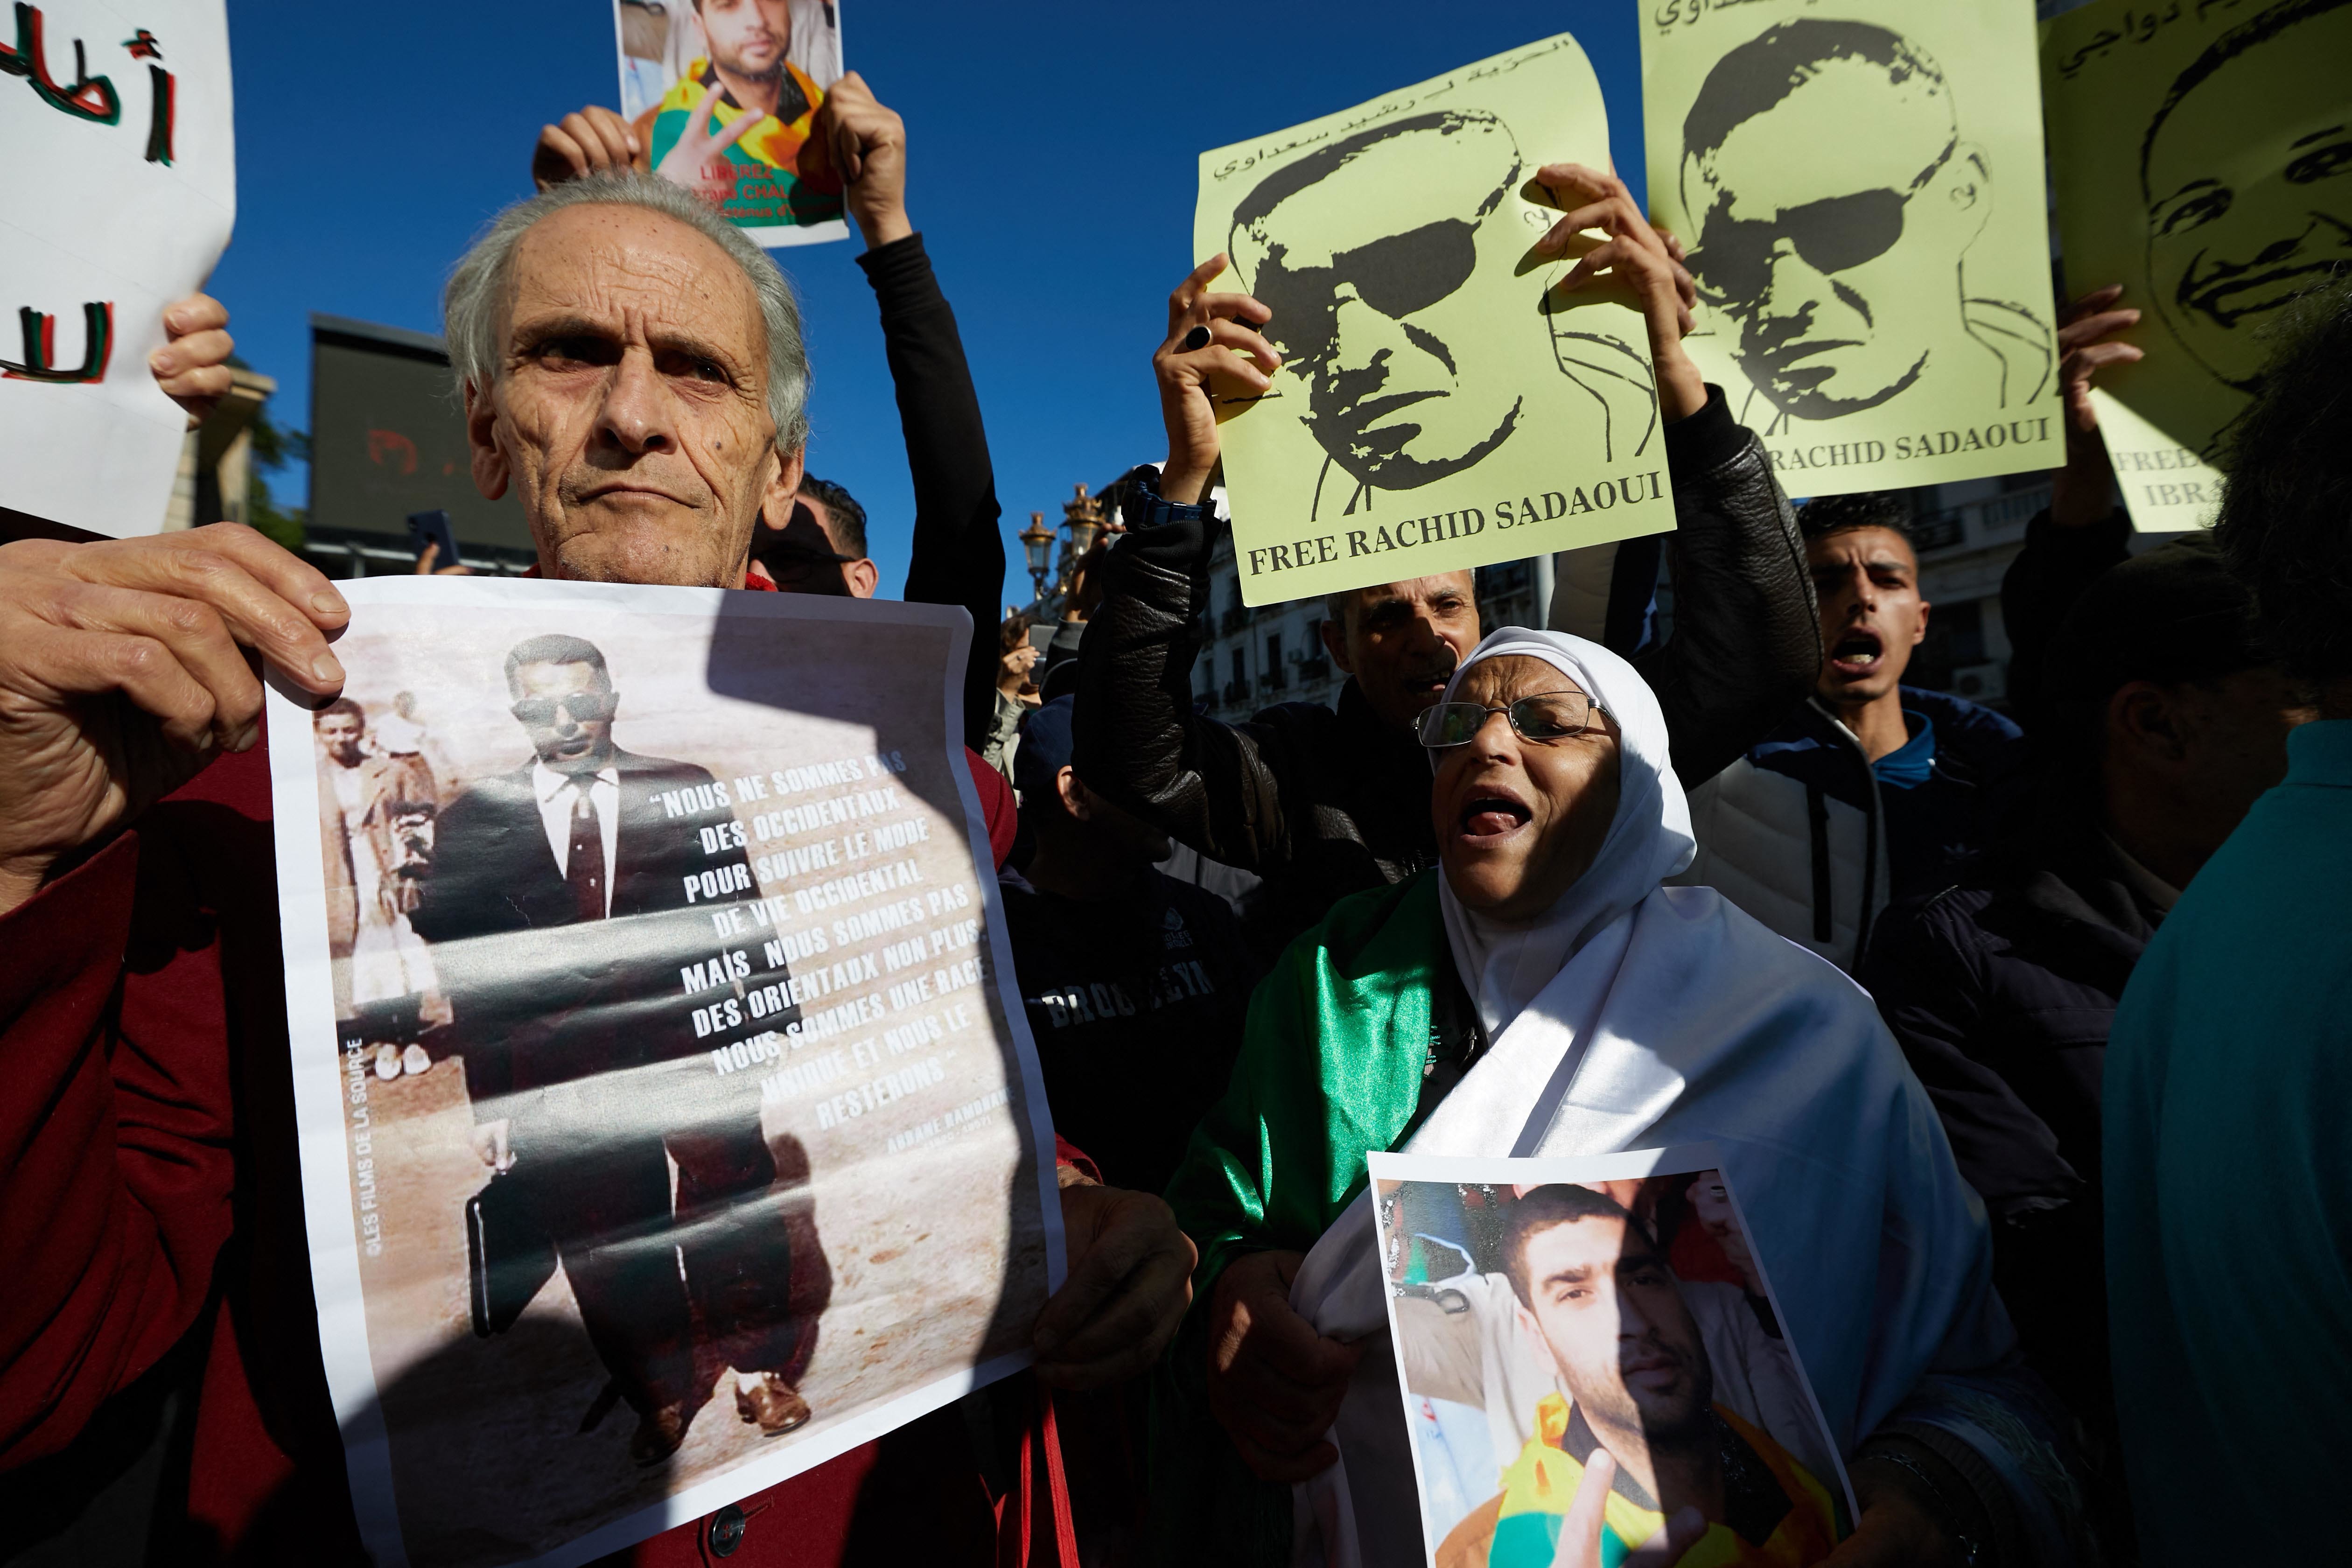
x,y
1324,803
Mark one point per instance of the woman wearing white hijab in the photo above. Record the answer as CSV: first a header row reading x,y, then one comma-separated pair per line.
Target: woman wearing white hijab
x,y
1542,993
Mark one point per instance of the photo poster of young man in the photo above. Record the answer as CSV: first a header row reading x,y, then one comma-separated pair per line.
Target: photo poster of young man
x,y
722,94
665,1126
1548,1312
1440,403
2202,156
1859,184
118,190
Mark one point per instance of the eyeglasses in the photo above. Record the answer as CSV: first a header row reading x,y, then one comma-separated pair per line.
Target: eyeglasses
x,y
1546,715
585,708
1397,276
1735,263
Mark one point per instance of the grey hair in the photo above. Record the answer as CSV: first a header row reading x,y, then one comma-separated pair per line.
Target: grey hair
x,y
475,302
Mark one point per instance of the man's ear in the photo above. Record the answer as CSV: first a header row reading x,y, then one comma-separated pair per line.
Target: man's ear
x,y
862,576
1920,635
1967,181
489,463
784,484
1075,798
2145,719
1335,643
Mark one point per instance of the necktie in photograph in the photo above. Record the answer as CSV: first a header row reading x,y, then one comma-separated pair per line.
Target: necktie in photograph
x,y
584,866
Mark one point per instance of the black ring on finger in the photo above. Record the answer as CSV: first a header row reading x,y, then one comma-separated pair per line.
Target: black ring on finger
x,y
1198,338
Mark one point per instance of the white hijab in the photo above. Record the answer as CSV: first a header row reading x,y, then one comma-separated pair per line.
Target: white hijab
x,y
1636,1017
1649,839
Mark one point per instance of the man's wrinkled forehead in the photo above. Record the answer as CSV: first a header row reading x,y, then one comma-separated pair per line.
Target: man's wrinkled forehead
x,y
1391,187
1847,127
622,266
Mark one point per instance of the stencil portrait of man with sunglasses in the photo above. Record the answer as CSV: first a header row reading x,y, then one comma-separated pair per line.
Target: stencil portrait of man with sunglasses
x,y
1832,197
1389,257
561,905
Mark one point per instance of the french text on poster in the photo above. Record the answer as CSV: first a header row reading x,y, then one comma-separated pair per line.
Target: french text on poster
x,y
664,1130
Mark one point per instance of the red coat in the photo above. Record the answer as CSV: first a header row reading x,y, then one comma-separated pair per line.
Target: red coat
x,y
150,1193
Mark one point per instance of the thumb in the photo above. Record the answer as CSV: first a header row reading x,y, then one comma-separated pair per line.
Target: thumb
x,y
744,121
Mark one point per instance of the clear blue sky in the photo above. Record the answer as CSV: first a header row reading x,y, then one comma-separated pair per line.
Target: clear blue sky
x,y
1051,152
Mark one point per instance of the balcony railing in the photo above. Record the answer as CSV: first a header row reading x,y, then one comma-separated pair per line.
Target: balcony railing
x,y
1994,520
1236,691
1315,668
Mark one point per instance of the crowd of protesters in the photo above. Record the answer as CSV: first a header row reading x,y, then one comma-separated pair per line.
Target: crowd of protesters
x,y
2036,1019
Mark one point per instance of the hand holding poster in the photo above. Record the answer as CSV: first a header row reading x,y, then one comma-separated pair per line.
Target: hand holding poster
x,y
1860,185
117,192
664,1131
2203,160
1594,1362
1441,403
723,95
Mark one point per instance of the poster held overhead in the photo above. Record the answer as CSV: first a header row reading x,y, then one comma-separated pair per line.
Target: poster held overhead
x,y
1440,403
1860,186
667,1126
1605,1325
116,198
722,95
2203,160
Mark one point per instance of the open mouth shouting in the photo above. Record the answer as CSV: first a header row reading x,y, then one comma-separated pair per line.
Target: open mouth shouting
x,y
1857,653
1490,816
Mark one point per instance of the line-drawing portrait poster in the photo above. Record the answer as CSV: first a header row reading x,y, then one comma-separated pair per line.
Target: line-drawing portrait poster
x,y
1440,405
2202,155
722,94
1545,1310
117,189
1860,186
665,1127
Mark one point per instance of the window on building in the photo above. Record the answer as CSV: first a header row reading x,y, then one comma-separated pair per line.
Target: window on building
x,y
1241,671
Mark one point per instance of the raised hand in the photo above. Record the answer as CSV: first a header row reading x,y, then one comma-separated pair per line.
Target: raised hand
x,y
192,367
699,162
856,140
1580,1531
586,140
2080,492
1275,1383
127,664
1641,258
1207,334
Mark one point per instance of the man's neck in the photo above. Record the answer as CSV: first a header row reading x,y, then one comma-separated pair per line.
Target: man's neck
x,y
2150,830
760,93
1878,723
1686,1474
1068,871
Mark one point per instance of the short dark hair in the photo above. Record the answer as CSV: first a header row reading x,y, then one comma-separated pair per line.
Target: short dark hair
x,y
556,647
340,705
849,530
1544,1208
1825,515
1323,162
2285,525
1757,75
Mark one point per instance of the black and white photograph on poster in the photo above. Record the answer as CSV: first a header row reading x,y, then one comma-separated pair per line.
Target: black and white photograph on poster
x,y
664,1130
1592,1344
1860,187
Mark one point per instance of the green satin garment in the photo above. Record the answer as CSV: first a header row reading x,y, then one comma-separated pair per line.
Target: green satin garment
x,y
1330,1069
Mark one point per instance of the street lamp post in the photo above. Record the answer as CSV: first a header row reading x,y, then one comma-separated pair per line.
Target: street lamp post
x,y
1037,545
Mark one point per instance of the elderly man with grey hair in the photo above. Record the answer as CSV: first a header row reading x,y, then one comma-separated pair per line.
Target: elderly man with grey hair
x,y
632,370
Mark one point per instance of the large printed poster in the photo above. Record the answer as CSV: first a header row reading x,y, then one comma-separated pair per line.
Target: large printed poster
x,y
665,1128
118,188
2202,154
1860,186
722,94
1594,1364
1441,405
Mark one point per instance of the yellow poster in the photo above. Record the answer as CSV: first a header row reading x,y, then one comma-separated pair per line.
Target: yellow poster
x,y
1860,185
2202,152
1439,405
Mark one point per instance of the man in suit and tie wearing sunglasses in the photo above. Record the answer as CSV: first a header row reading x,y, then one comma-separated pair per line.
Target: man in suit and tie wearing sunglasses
x,y
1834,199
562,905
